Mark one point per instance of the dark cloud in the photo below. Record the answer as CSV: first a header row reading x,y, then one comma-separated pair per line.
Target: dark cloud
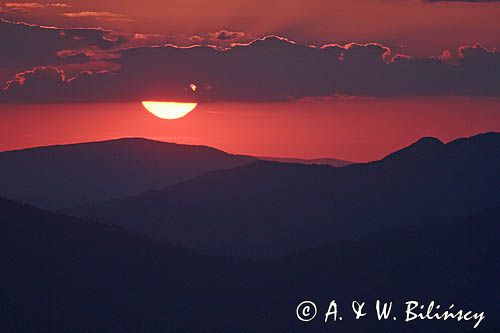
x,y
223,38
38,76
227,35
266,69
30,45
26,46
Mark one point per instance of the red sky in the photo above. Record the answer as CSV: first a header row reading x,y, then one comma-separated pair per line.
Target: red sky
x,y
42,62
355,129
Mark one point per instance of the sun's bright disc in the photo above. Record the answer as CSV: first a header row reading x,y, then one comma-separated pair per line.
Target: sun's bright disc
x,y
169,110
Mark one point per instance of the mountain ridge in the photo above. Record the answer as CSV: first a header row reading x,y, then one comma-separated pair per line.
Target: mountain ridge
x,y
267,209
60,176
324,160
71,275
110,141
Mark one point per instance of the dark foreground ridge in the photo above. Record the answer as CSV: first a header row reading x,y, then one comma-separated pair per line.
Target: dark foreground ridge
x,y
61,274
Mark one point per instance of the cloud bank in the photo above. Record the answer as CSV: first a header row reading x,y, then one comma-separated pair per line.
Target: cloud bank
x,y
267,69
25,44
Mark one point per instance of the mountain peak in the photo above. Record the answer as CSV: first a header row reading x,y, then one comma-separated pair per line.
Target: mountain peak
x,y
428,140
423,147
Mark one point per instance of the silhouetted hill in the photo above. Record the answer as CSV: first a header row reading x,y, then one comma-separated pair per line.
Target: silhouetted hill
x,y
61,176
422,149
329,161
268,209
60,274
450,262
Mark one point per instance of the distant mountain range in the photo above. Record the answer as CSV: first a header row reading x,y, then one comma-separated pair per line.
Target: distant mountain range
x,y
266,209
328,161
62,176
62,274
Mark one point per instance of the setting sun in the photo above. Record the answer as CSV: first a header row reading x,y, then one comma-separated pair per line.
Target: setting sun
x,y
169,110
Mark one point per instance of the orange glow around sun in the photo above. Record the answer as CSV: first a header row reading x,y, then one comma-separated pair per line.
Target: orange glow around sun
x,y
169,110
